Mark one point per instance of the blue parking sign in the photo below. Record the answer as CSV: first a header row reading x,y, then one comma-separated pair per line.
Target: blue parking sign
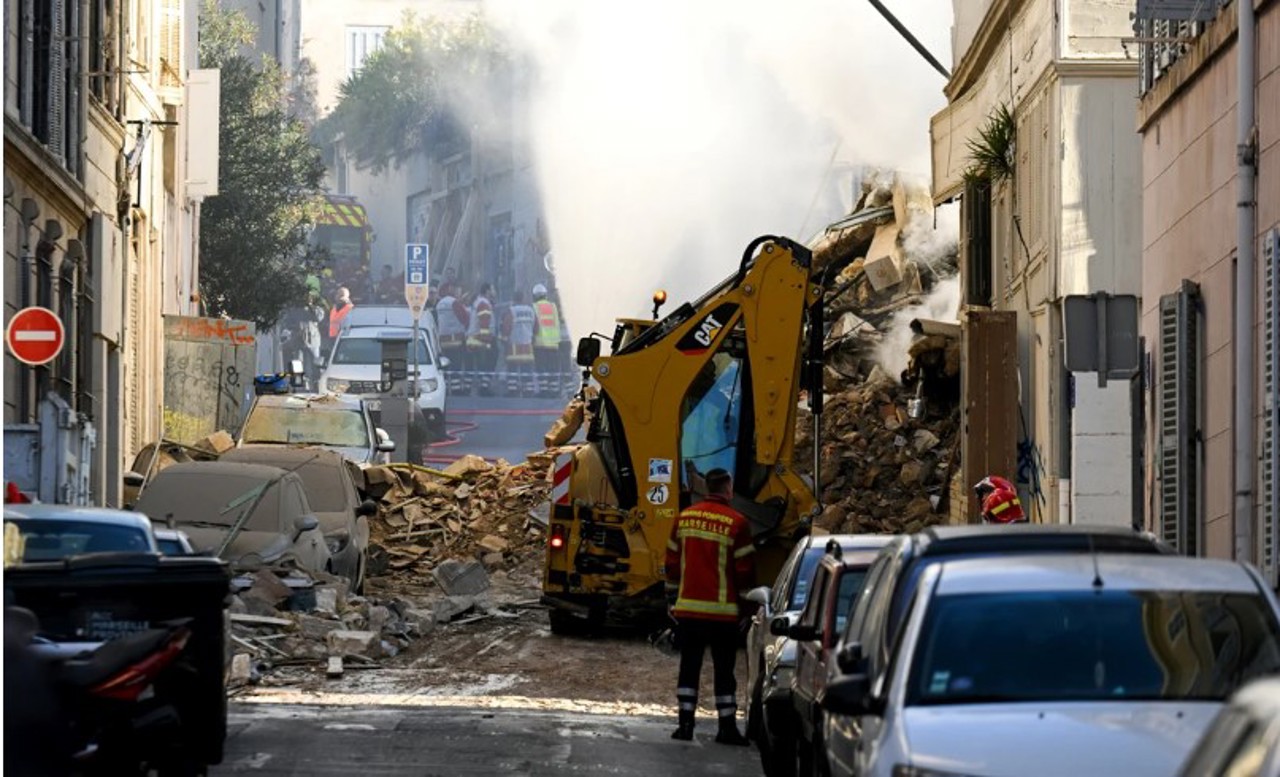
x,y
415,264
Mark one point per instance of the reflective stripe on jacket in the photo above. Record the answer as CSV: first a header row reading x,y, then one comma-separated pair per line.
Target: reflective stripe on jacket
x,y
548,324
710,558
480,332
336,315
520,320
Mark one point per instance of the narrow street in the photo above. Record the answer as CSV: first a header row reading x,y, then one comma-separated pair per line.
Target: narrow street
x,y
495,427
426,741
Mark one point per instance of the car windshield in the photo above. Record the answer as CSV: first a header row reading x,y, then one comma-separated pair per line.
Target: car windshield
x,y
200,497
850,585
363,350
306,426
1092,646
45,540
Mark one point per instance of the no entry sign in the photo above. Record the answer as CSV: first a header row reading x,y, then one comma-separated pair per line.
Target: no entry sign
x,y
35,336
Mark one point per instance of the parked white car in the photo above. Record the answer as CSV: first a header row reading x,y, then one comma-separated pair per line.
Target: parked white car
x,y
1244,740
1059,665
354,366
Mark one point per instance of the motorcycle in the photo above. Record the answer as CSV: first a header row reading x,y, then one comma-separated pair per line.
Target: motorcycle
x,y
95,707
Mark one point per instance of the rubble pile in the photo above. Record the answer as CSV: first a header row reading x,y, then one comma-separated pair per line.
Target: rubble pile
x,y
471,510
889,444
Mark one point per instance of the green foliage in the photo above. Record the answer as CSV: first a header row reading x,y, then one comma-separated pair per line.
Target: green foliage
x,y
253,235
429,80
993,151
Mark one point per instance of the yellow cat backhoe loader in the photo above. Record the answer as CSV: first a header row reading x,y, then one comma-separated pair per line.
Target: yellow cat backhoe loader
x,y
716,383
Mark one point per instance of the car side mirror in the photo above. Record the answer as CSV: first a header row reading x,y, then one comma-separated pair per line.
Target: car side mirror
x,y
849,657
781,625
304,523
134,479
850,695
444,361
368,508
588,351
760,596
804,633
385,443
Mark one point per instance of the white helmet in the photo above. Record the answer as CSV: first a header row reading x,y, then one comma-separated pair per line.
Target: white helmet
x,y
539,290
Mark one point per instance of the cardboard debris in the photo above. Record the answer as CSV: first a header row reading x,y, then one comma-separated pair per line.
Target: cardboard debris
x,y
217,443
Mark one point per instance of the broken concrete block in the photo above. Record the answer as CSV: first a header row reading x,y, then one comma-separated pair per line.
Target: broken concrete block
x,y
450,607
911,202
884,259
492,560
494,543
468,465
217,443
327,600
378,618
422,622
268,588
315,628
911,472
849,324
354,619
241,669
334,669
360,643
465,578
924,440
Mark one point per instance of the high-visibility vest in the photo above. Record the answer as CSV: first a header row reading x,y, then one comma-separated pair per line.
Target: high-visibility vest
x,y
480,332
548,324
710,558
448,326
336,315
521,342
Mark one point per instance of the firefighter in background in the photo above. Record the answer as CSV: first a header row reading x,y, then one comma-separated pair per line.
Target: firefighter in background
x,y
482,352
452,318
998,501
337,314
518,324
546,343
709,564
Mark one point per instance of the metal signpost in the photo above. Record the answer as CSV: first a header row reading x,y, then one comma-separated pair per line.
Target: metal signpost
x,y
416,291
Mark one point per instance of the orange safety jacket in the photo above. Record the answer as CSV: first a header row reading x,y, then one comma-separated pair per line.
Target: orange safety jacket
x,y
710,558
336,315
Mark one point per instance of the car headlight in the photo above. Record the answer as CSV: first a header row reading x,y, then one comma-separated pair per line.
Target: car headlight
x,y
337,386
337,543
429,386
903,770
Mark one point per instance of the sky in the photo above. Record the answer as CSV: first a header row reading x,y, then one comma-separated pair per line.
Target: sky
x,y
668,134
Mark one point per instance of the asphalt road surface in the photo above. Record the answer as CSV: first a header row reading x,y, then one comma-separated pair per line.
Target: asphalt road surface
x,y
495,428
276,740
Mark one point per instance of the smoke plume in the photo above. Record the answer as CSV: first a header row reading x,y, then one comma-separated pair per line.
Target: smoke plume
x,y
668,134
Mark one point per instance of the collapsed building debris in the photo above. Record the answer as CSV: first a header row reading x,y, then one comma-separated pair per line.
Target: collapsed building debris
x,y
889,445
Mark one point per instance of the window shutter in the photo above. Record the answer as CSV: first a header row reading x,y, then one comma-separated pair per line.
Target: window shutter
x,y
57,99
1178,419
976,206
171,43
1270,512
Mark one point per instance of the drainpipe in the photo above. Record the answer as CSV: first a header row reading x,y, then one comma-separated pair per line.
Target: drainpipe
x,y
1246,286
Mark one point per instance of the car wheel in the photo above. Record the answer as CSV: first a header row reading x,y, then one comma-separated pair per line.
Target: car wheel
x,y
779,759
357,585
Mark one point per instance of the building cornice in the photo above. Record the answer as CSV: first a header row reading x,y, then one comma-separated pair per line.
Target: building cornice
x,y
32,163
995,25
1096,68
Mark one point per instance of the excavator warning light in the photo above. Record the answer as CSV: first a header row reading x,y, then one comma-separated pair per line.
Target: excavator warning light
x,y
659,299
556,540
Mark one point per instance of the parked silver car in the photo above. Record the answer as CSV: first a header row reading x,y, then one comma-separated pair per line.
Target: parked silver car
x,y
341,424
206,498
1057,665
771,658
1244,740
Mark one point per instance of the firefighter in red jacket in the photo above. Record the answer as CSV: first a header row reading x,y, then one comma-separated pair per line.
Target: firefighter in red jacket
x,y
709,561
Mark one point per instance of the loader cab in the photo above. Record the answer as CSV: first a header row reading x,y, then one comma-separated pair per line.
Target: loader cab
x,y
627,330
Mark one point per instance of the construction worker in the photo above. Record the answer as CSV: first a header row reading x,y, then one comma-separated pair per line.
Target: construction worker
x,y
341,307
709,561
482,353
452,318
546,342
517,330
998,501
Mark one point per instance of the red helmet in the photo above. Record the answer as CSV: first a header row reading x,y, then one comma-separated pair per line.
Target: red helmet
x,y
999,500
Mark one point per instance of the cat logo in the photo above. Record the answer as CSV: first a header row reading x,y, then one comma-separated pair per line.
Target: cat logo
x,y
701,337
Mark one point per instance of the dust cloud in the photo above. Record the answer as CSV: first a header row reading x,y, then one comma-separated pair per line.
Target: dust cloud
x,y
942,304
668,134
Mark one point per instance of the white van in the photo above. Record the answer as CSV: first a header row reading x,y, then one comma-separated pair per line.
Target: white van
x,y
354,366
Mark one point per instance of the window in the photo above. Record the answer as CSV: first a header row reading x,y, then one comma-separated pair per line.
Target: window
x,y
171,71
709,421
1178,419
850,586
48,70
361,42
1090,645
50,540
306,426
976,205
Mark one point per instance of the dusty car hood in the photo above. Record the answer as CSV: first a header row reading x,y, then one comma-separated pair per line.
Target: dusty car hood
x,y
1059,739
355,454
268,545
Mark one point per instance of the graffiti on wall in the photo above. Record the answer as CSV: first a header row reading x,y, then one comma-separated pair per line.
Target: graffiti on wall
x,y
208,367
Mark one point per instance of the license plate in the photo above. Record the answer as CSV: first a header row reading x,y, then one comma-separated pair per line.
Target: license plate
x,y
374,405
